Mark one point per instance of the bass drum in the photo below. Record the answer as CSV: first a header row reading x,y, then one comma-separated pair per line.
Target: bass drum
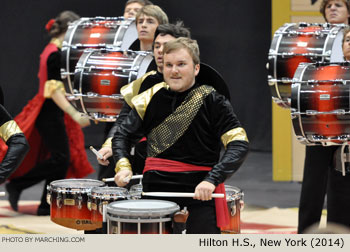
x,y
98,32
320,103
100,74
296,43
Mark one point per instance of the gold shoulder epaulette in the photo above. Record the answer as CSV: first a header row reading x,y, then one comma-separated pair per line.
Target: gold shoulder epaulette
x,y
130,90
141,101
51,86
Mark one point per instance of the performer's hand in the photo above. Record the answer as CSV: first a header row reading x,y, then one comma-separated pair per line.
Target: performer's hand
x,y
122,178
83,121
204,191
77,116
106,152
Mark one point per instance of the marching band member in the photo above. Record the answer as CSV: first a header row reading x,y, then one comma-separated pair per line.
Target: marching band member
x,y
184,134
55,137
134,6
163,34
16,147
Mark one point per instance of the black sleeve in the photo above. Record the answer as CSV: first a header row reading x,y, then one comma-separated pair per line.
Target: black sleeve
x,y
236,151
17,149
122,115
129,132
54,66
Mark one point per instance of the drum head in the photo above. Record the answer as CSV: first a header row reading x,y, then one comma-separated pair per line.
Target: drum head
x,y
142,208
209,76
78,185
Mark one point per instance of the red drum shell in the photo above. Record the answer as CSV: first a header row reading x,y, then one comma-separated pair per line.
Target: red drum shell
x,y
99,76
320,103
295,43
68,203
234,198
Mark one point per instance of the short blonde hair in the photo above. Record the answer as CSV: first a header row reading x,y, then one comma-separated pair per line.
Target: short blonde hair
x,y
189,44
153,11
324,4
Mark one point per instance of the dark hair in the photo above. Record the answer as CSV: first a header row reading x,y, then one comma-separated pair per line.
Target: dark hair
x,y
61,23
176,30
324,5
142,2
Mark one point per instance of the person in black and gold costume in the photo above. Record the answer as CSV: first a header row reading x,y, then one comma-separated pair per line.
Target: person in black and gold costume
x,y
163,34
55,137
186,124
13,137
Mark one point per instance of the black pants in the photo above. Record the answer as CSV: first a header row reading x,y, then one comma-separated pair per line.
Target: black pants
x,y
320,178
50,124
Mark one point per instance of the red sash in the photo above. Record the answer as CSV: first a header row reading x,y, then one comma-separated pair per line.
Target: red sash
x,y
167,165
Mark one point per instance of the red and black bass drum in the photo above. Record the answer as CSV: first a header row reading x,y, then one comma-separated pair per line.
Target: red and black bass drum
x,y
96,32
100,74
320,105
295,43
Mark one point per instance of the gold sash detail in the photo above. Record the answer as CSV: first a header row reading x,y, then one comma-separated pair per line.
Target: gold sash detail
x,y
130,90
108,142
51,86
234,135
9,129
174,126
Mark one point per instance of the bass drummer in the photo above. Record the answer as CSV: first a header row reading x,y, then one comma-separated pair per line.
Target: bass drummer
x,y
163,34
134,6
320,177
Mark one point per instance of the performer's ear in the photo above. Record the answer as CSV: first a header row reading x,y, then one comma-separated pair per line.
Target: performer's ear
x,y
196,69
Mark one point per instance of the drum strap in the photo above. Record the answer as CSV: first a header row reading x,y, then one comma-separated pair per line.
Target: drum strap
x,y
167,165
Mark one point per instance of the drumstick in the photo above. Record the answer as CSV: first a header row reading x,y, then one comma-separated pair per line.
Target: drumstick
x,y
132,177
2,194
96,152
178,194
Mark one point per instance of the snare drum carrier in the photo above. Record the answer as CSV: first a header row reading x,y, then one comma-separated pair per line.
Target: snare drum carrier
x,y
68,202
141,216
320,103
295,43
98,32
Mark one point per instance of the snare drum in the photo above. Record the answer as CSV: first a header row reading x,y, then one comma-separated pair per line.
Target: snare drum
x,y
98,32
320,103
234,198
135,191
141,216
100,74
295,43
98,199
68,202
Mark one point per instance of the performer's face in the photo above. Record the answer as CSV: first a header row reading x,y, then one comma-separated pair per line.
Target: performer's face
x,y
336,12
131,10
146,26
179,70
158,49
346,46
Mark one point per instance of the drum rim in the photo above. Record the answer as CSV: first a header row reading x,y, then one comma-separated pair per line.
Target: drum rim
x,y
54,185
133,212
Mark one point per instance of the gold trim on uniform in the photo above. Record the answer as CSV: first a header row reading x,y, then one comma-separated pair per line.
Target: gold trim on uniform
x,y
57,42
130,90
142,100
51,86
236,134
122,164
8,129
108,142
